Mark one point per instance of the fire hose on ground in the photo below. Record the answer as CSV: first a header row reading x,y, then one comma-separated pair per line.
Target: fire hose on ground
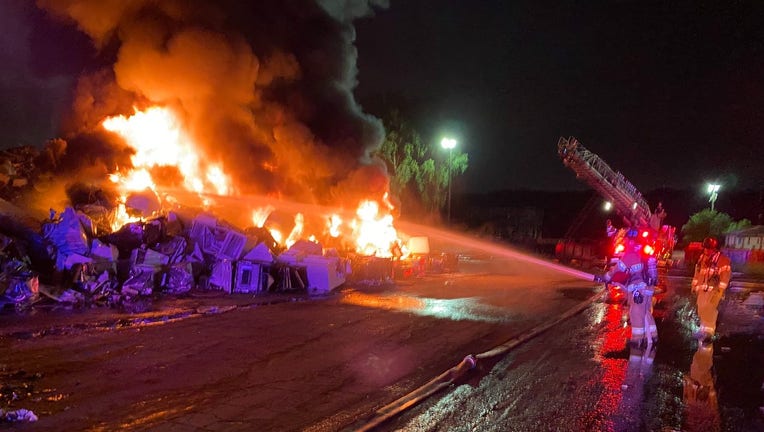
x,y
469,362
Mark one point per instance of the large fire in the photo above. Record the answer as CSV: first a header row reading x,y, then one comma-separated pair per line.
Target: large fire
x,y
157,136
375,233
158,139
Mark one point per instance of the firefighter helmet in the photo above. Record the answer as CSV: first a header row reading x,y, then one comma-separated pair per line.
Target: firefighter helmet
x,y
710,243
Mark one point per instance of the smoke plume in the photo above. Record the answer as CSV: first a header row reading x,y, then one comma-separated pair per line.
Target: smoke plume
x,y
264,88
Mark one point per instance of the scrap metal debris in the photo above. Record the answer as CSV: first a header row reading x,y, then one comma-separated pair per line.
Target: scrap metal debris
x,y
82,256
165,254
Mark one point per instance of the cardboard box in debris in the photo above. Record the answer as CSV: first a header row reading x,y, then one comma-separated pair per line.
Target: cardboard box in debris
x,y
160,255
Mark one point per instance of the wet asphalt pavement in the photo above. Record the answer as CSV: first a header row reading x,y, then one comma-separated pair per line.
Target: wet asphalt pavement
x,y
211,368
581,376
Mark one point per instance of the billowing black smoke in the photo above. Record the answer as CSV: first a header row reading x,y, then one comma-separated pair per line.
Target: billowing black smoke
x,y
264,87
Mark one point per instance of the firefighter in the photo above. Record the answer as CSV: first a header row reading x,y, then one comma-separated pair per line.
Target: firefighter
x,y
641,276
709,283
657,217
610,230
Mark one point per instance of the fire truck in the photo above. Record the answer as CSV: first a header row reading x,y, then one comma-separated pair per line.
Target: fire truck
x,y
658,241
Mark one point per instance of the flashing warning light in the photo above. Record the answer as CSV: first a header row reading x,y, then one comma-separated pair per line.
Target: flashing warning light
x,y
645,234
619,248
648,250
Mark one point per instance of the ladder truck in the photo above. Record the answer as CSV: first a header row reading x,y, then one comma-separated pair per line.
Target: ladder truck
x,y
626,199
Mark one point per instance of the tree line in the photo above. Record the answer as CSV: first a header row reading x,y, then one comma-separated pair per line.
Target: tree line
x,y
420,171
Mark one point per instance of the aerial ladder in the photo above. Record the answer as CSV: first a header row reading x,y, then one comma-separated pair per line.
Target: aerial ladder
x,y
612,185
615,188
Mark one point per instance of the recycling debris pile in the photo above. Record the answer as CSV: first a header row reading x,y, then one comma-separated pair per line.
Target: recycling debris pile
x,y
169,254
107,250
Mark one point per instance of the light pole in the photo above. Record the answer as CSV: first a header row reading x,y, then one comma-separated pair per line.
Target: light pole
x,y
713,190
449,144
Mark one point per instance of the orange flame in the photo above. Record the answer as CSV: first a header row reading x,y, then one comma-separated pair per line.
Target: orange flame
x,y
158,139
296,234
259,216
334,224
375,234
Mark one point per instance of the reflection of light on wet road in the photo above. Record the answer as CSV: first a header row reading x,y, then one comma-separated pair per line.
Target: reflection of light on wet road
x,y
151,419
613,367
462,309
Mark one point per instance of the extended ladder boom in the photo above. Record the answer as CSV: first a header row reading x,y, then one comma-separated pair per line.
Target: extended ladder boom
x,y
610,184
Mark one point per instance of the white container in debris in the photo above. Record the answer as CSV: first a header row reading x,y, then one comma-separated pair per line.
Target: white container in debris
x,y
260,254
299,251
103,251
250,278
419,245
221,278
324,273
68,261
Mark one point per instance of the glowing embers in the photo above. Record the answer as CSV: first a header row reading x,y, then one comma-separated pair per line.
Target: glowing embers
x,y
158,138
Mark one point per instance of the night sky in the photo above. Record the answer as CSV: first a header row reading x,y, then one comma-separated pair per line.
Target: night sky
x,y
671,93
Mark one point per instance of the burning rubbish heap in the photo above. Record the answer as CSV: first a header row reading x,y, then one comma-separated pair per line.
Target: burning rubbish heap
x,y
127,236
172,253
197,103
117,252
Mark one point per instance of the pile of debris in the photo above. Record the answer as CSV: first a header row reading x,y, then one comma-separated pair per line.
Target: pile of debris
x,y
21,167
167,254
16,167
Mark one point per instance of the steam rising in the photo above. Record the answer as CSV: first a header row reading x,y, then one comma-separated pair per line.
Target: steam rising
x,y
264,87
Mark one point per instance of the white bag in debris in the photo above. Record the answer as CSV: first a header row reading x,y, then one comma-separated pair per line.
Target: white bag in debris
x,y
18,415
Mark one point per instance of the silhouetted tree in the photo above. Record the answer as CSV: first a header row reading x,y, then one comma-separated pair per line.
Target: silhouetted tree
x,y
712,223
417,173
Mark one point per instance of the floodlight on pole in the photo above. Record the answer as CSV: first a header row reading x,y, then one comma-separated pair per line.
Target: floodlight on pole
x,y
449,144
713,191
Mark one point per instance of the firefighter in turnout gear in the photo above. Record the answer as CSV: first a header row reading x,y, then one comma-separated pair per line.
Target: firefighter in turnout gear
x,y
641,276
712,275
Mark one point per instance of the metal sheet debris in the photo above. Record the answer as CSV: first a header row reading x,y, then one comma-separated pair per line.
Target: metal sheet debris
x,y
165,254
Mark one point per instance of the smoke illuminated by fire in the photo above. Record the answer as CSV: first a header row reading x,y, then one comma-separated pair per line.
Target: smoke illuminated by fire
x,y
265,110
232,103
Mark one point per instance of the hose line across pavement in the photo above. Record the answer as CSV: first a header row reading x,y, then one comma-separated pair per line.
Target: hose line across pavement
x,y
469,362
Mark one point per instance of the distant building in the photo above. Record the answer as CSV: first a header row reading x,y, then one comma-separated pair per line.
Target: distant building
x,y
746,245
